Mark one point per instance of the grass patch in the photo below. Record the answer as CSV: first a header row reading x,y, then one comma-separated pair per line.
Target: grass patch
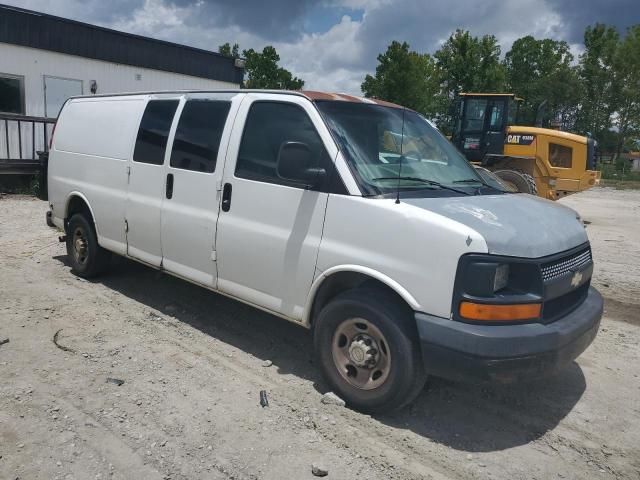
x,y
618,172
620,184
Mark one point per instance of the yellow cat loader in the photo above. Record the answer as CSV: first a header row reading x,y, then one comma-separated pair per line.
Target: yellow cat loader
x,y
540,161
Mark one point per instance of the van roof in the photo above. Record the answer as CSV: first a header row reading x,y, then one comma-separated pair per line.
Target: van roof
x,y
343,97
310,94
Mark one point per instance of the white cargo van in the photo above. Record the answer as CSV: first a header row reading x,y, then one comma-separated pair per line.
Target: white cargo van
x,y
352,217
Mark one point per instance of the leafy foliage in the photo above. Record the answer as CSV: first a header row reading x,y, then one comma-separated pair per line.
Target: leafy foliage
x,y
466,63
262,69
469,64
230,51
598,79
598,95
541,72
627,68
404,77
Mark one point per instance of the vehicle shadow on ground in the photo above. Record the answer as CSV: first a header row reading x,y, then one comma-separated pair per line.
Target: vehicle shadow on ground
x,y
464,417
488,418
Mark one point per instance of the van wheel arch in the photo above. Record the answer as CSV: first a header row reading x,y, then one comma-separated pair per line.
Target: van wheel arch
x,y
78,204
343,281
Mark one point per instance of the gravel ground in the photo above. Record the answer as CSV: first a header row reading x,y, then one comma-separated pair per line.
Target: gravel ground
x,y
193,364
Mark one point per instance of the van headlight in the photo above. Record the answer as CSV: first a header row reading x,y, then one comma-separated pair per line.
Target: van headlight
x,y
500,277
483,279
496,288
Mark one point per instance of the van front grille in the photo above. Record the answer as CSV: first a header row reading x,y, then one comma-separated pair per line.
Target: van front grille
x,y
557,268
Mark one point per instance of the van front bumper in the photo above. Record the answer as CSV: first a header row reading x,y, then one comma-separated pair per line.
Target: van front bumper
x,y
506,353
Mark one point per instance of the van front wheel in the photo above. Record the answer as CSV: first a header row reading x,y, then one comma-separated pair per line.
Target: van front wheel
x,y
366,346
86,257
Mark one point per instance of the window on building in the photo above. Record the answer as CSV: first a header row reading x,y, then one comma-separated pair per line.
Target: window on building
x,y
198,135
11,94
151,142
269,125
560,156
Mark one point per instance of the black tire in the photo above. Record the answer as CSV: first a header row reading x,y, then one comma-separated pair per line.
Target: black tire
x,y
92,259
405,377
523,182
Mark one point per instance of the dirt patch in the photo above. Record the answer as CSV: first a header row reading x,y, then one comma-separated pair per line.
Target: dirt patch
x,y
613,218
192,363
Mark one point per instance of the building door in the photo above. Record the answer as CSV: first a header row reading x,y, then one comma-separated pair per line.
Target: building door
x,y
56,91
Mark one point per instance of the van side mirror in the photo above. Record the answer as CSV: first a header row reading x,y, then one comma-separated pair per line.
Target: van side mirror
x,y
295,164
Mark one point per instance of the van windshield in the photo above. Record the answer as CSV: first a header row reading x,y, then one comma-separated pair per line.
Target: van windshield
x,y
386,151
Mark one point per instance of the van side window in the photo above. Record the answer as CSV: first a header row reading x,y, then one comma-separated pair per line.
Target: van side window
x,y
195,146
269,125
560,156
151,142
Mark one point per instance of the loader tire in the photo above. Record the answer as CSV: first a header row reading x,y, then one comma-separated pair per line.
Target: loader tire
x,y
521,181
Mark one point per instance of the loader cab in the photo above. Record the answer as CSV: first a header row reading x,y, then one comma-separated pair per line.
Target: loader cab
x,y
481,122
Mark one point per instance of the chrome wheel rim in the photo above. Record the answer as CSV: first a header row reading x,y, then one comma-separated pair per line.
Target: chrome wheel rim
x,y
80,246
361,354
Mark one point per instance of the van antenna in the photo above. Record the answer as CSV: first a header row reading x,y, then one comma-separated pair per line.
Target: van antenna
x,y
401,157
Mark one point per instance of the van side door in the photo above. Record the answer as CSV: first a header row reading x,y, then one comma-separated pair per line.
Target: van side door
x,y
269,229
193,178
146,181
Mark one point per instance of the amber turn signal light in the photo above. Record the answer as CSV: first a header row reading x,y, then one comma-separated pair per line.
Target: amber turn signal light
x,y
499,313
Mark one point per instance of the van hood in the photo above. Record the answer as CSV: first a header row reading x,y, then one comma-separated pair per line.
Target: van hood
x,y
517,225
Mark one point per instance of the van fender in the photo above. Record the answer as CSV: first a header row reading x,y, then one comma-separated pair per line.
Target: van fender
x,y
374,274
70,196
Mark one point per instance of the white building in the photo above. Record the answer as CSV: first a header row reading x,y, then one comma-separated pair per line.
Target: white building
x,y
46,59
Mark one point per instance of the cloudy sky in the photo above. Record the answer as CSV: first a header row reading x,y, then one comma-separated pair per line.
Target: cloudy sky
x,y
332,44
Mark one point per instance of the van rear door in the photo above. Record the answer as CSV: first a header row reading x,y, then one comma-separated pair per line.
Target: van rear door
x,y
193,176
146,181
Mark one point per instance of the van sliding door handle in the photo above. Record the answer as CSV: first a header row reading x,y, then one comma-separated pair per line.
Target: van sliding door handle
x,y
226,197
169,191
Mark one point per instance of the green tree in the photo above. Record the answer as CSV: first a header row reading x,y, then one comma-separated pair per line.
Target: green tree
x,y
404,77
541,71
262,71
600,88
229,51
627,69
469,64
466,63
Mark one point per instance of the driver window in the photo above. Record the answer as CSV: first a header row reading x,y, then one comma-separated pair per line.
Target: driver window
x,y
268,126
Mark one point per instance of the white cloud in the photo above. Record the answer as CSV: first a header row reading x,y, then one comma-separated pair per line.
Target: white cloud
x,y
339,58
329,61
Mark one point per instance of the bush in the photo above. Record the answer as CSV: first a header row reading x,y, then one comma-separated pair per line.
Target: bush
x,y
20,184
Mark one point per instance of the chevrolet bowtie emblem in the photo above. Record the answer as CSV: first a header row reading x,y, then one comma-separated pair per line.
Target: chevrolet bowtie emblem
x,y
576,279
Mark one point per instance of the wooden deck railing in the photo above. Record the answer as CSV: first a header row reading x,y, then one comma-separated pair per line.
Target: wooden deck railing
x,y
21,139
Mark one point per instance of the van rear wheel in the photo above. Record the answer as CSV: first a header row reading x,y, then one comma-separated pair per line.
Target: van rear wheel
x,y
366,346
86,257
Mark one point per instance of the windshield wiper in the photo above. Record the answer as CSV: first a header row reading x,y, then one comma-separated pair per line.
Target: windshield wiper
x,y
470,180
426,181
480,181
